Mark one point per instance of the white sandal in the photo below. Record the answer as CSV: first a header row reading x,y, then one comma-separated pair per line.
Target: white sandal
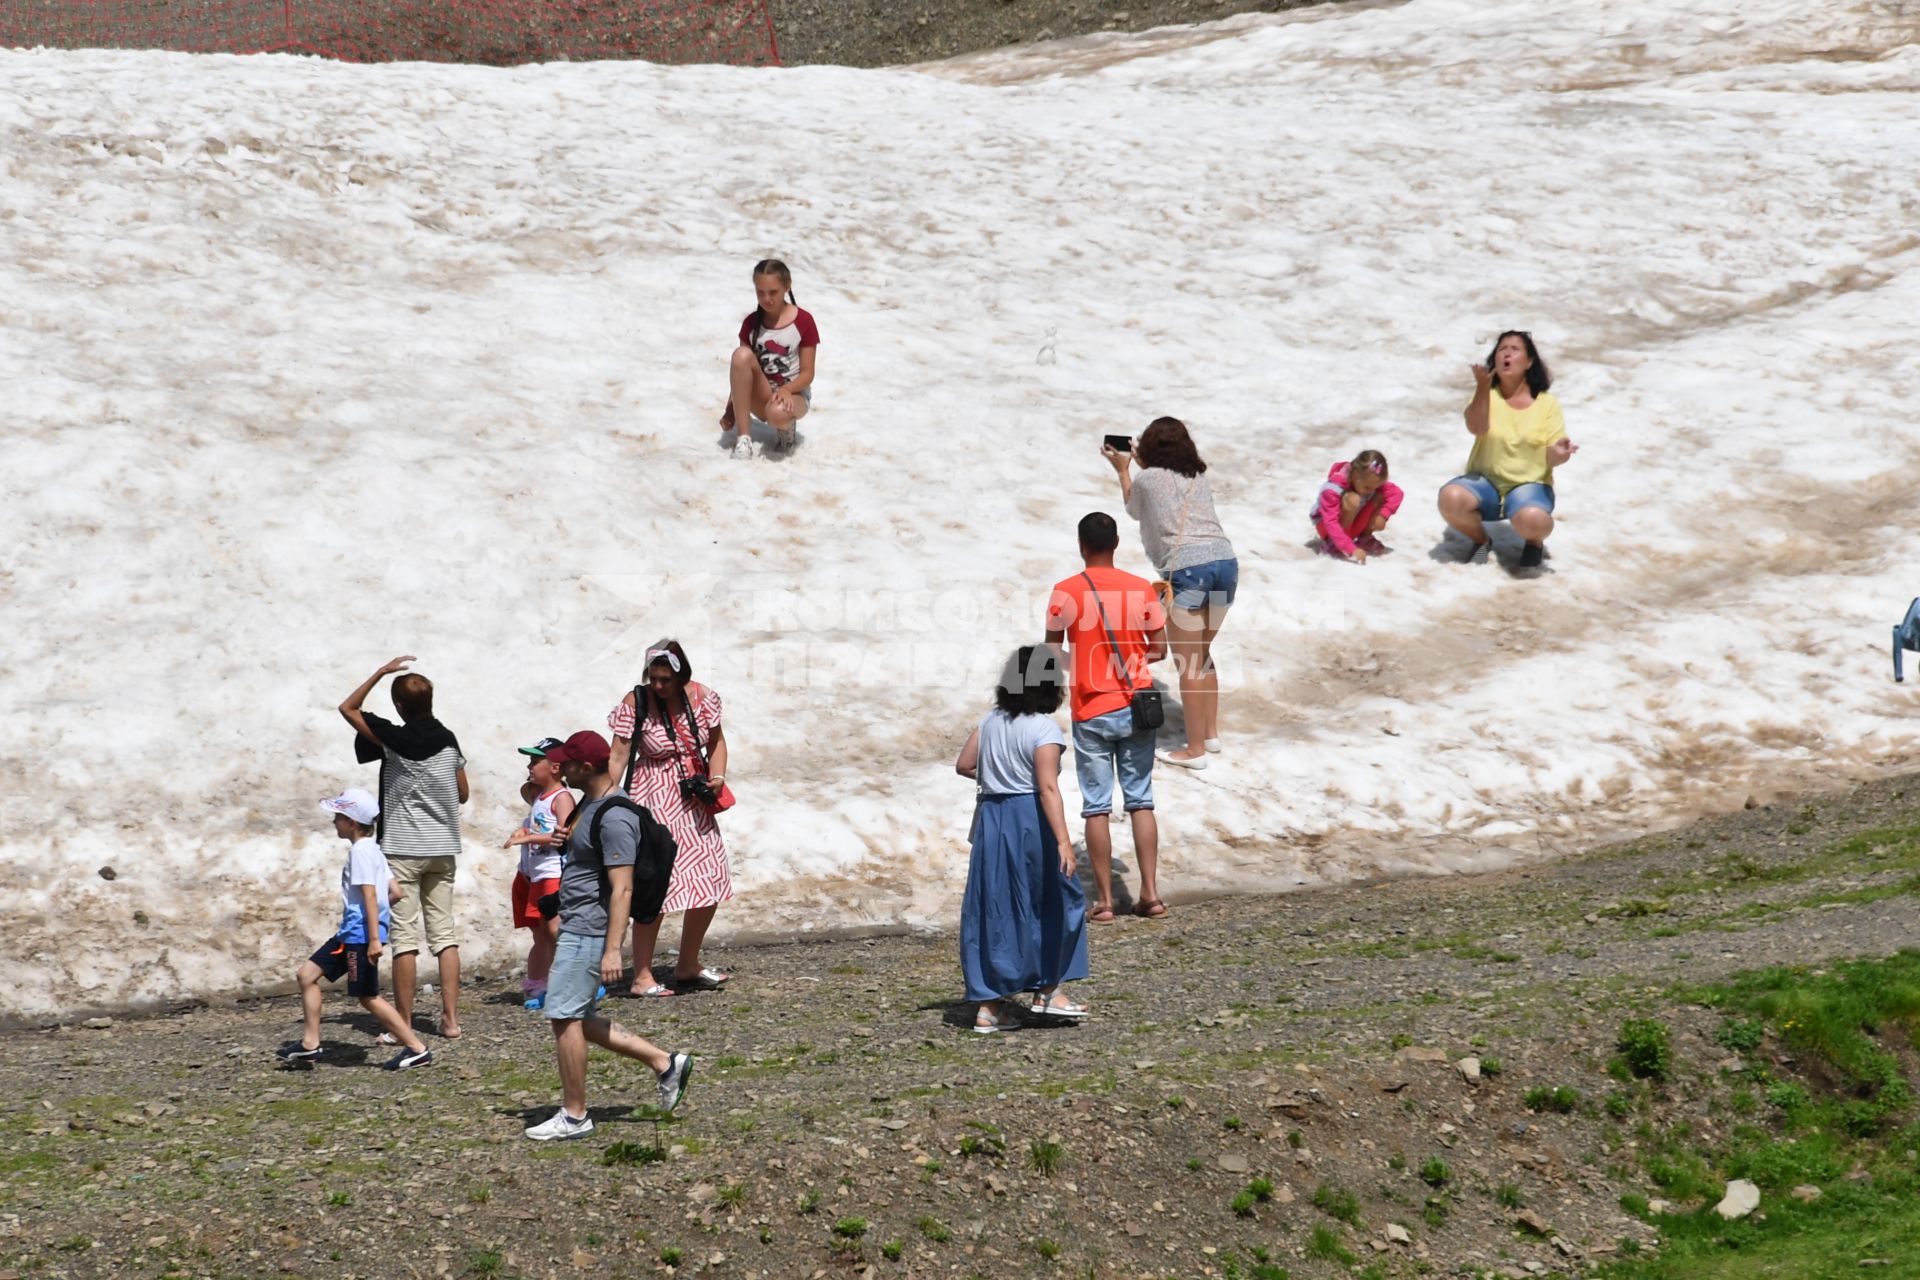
x,y
1044,1007
995,1022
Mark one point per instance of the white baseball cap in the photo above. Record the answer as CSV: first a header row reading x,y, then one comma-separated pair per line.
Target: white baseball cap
x,y
356,804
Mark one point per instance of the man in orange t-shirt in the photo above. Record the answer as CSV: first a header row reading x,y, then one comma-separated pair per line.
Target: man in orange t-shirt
x,y
1081,613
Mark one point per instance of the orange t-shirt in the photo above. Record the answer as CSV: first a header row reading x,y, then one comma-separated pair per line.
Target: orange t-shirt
x,y
1132,611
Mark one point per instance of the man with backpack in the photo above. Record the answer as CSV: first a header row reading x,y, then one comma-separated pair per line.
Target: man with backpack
x,y
611,844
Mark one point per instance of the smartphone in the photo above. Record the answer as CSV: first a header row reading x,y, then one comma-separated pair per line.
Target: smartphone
x,y
1120,444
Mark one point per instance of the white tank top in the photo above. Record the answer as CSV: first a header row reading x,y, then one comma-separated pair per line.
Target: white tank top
x,y
541,861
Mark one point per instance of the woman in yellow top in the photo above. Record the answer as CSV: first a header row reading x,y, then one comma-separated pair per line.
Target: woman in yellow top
x,y
1519,437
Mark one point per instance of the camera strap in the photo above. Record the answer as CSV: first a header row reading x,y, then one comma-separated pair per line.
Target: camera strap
x,y
693,732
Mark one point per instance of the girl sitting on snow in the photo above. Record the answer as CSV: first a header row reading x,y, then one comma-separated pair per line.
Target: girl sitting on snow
x,y
1354,504
771,377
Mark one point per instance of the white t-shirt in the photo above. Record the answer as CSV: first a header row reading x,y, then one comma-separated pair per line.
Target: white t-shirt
x,y
542,861
1007,745
365,865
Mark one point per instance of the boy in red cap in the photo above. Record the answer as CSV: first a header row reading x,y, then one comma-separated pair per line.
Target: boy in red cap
x,y
596,890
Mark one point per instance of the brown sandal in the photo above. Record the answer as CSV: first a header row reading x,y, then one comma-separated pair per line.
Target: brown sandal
x,y
1150,908
1100,915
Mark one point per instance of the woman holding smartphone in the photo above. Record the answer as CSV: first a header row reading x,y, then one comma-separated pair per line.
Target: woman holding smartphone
x,y
772,373
1173,503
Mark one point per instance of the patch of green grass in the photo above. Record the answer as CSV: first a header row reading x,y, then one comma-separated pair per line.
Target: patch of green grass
x,y
1434,1172
1325,1244
1046,1156
630,1153
1838,1017
1337,1202
338,1200
1619,1105
892,1250
1646,1046
732,1195
850,1228
1261,1189
1396,1162
1507,1196
809,1202
1046,1249
1557,1098
1491,1067
1242,1204
1434,1212
935,1230
672,1257
486,1262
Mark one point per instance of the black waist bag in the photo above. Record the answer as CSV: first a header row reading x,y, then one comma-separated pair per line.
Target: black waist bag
x,y
1149,713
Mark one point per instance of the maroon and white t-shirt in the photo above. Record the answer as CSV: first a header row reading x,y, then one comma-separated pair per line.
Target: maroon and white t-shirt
x,y
778,350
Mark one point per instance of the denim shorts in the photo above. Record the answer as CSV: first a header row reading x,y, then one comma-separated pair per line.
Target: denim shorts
x,y
1213,583
1522,495
573,980
1104,746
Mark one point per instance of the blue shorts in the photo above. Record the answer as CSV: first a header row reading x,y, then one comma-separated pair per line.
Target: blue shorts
x,y
1107,745
1521,495
1213,583
573,980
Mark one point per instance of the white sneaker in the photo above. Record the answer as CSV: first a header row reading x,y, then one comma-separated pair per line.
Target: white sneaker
x,y
673,1081
561,1126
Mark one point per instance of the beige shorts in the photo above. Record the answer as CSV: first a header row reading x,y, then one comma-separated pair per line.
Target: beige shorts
x,y
428,883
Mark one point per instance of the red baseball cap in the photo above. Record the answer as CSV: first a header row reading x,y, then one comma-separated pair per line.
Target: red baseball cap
x,y
584,747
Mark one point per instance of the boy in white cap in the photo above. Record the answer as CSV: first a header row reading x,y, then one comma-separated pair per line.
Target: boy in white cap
x,y
366,891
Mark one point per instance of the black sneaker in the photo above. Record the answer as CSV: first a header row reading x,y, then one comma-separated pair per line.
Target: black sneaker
x,y
295,1053
673,1081
1531,555
408,1058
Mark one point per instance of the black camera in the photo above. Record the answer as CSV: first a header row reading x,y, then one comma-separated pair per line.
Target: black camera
x,y
700,790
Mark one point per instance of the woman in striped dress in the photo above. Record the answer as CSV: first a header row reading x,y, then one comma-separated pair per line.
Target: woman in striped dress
x,y
663,755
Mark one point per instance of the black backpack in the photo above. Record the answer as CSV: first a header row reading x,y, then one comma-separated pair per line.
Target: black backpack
x,y
652,861
652,858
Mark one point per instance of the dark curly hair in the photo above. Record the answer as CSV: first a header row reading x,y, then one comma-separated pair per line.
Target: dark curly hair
x,y
1165,443
1538,379
1032,683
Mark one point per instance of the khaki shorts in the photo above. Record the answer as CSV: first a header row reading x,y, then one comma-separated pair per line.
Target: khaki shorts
x,y
428,883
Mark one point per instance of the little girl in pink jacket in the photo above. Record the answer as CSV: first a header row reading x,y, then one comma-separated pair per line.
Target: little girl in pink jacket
x,y
1354,504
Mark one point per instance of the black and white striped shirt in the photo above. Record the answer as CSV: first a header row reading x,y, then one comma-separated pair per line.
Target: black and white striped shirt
x,y
419,787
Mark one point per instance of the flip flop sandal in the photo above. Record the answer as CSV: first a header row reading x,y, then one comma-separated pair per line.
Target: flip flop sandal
x,y
705,980
1102,915
1150,909
655,992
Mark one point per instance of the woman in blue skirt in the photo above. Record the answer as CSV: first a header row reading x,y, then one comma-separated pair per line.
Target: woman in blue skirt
x,y
1023,924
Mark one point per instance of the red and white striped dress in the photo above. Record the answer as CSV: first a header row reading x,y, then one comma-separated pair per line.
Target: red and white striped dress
x,y
700,876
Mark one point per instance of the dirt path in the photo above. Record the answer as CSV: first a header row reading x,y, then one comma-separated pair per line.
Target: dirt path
x,y
841,1108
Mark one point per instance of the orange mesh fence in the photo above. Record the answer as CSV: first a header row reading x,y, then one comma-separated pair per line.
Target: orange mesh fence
x,y
500,32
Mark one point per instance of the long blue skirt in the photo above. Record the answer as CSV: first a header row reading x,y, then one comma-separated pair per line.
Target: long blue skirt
x,y
1023,923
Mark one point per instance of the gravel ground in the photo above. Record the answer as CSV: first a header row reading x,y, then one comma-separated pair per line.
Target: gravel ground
x,y
843,1120
860,33
874,33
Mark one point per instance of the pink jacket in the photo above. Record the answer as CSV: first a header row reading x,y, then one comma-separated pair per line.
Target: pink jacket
x,y
1326,508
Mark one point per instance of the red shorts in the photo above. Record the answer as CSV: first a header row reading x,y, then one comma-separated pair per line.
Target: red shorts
x,y
526,900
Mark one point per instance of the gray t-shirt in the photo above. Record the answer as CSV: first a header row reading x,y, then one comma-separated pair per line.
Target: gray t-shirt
x,y
1161,500
583,903
1006,751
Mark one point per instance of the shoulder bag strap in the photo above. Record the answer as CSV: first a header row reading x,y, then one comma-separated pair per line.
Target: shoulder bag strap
x,y
1119,665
